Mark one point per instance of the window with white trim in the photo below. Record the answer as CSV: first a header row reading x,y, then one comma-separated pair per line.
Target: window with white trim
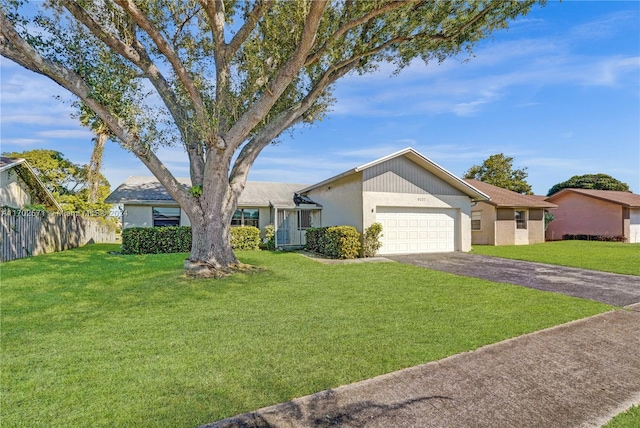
x,y
304,219
476,220
246,217
166,216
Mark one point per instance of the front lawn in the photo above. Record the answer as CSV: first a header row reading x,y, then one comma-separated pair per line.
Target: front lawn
x,y
615,257
628,419
94,339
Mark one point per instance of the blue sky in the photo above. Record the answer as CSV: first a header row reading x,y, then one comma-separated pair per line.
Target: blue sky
x,y
559,92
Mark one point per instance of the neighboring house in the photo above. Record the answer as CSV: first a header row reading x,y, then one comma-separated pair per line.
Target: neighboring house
x,y
20,186
595,212
422,206
508,218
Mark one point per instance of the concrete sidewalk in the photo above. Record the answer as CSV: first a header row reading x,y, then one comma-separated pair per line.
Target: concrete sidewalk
x,y
578,374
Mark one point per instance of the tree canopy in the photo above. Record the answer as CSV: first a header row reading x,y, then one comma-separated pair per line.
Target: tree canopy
x,y
498,170
590,181
224,78
68,182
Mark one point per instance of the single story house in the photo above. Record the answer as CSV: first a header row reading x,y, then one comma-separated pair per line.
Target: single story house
x,y
595,212
508,218
20,186
147,203
422,206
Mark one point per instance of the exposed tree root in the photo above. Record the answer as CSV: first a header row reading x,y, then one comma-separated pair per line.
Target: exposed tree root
x,y
196,269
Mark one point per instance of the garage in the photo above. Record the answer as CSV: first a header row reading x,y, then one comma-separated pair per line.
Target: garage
x,y
634,226
417,230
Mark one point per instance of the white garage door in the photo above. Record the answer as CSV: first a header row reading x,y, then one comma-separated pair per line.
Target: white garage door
x,y
634,226
416,230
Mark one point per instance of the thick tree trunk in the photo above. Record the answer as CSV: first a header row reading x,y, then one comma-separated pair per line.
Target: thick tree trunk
x,y
211,252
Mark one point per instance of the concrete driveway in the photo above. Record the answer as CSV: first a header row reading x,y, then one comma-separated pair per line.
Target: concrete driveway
x,y
613,289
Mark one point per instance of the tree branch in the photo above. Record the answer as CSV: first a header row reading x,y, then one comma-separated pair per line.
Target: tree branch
x,y
287,72
137,54
258,12
14,47
164,47
352,24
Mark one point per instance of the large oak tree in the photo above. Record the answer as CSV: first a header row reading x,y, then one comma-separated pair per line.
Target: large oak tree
x,y
224,78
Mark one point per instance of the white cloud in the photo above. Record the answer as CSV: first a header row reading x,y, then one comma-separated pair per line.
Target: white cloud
x,y
66,134
23,142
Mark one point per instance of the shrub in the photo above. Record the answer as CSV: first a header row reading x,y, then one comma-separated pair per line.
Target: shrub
x,y
371,241
585,237
338,242
270,237
245,238
177,239
154,240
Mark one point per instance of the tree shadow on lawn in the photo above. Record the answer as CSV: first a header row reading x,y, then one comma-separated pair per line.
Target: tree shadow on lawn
x,y
321,410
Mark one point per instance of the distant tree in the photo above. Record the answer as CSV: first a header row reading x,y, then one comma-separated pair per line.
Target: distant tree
x,y
590,181
102,133
498,170
67,181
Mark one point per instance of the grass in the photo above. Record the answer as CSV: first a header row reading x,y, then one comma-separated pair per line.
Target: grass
x,y
615,257
94,339
628,419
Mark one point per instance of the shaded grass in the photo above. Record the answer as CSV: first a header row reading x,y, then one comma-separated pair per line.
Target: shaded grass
x,y
90,338
615,257
628,419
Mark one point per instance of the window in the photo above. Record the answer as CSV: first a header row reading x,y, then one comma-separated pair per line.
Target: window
x,y
521,219
166,216
246,217
476,220
304,219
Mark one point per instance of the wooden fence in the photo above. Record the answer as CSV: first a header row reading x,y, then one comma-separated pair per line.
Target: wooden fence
x,y
29,233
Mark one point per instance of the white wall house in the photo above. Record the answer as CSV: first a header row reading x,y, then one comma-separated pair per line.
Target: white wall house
x,y
20,186
422,206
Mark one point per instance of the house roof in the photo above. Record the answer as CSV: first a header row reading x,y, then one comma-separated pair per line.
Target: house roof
x,y
31,179
627,199
507,198
422,161
148,190
7,163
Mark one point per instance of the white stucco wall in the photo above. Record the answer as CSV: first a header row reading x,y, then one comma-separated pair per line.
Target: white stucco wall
x,y
462,205
341,202
12,190
634,225
137,216
142,216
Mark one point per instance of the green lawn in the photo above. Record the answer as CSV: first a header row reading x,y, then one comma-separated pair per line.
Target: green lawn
x,y
628,419
616,257
94,339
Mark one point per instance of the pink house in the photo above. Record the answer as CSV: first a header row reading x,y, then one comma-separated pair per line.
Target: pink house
x,y
595,212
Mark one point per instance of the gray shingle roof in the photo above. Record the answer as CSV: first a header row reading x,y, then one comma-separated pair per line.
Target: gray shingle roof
x,y
145,190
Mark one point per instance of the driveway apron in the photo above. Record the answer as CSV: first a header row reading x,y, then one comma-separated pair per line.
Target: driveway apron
x,y
613,289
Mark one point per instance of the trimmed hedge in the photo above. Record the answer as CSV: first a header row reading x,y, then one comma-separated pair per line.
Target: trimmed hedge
x,y
245,238
584,237
177,239
155,240
338,242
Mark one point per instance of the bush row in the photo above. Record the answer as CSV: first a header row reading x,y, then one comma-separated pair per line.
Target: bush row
x,y
177,239
584,237
338,242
